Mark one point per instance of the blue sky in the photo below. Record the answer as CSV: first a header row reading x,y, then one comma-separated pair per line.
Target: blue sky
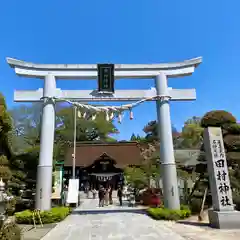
x,y
128,31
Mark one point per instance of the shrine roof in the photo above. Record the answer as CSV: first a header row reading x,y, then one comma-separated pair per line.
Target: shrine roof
x,y
123,153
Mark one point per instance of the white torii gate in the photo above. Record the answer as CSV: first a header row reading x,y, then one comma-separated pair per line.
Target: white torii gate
x,y
50,72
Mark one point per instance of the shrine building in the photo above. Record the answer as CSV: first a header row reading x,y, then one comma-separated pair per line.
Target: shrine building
x,y
101,163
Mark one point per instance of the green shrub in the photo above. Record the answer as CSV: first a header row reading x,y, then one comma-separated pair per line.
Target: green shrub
x,y
232,142
169,214
10,231
56,214
233,158
185,207
233,128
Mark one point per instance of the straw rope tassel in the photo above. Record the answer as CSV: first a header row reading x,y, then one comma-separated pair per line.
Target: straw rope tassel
x,y
131,114
79,114
120,117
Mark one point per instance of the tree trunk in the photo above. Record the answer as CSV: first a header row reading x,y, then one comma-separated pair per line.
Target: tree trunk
x,y
195,186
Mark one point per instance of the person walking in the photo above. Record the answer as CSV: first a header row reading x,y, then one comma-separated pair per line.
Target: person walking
x,y
94,193
110,196
64,194
106,196
101,196
119,194
87,191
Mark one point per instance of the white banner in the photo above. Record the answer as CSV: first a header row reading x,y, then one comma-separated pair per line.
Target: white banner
x,y
72,196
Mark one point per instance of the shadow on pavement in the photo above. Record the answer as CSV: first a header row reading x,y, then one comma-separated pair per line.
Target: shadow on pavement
x,y
30,233
106,211
197,224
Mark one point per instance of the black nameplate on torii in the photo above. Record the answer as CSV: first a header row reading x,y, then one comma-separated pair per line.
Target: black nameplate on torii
x,y
106,78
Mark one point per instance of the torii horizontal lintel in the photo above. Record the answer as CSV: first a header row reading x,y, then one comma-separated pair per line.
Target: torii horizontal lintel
x,y
93,96
89,71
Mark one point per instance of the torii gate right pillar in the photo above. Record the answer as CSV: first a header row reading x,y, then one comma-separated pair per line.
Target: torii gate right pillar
x,y
168,164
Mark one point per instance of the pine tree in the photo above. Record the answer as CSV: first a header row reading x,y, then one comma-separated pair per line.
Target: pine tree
x,y
133,137
5,128
231,138
11,169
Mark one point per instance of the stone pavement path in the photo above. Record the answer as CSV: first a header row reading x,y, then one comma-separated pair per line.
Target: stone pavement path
x,y
89,222
191,232
109,223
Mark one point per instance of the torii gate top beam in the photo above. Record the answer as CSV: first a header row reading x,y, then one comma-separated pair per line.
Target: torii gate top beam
x,y
89,71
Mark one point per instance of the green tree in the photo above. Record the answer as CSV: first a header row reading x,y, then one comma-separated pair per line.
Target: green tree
x,y
136,177
5,128
29,162
133,137
10,170
137,138
231,138
27,129
87,129
150,164
148,170
192,134
217,118
151,130
26,143
26,123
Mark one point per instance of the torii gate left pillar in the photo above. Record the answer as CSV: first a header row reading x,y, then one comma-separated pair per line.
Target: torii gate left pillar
x,y
51,72
44,170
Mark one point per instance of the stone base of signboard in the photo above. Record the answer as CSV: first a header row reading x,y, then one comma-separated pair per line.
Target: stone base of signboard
x,y
224,219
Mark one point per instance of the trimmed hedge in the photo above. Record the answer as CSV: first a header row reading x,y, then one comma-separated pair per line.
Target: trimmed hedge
x,y
56,214
233,128
232,142
169,214
217,118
